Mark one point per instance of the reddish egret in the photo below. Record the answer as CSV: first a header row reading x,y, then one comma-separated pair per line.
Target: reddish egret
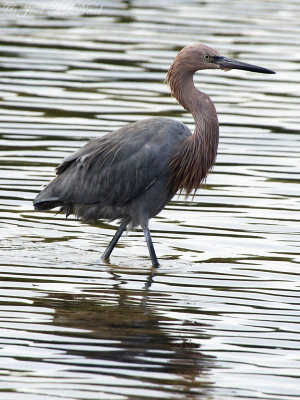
x,y
130,174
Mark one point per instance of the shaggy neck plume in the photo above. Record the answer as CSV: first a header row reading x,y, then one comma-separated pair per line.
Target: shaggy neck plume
x,y
198,152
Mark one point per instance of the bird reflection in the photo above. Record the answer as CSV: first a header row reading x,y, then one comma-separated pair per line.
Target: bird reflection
x,y
137,336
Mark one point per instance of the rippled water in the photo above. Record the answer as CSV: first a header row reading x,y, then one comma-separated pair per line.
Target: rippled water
x,y
220,318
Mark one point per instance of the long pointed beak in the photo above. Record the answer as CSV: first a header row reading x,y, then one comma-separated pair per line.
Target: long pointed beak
x,y
228,63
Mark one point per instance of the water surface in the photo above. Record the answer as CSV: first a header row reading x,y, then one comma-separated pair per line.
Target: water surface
x,y
220,318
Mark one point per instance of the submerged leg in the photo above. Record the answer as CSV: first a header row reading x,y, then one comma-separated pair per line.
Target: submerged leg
x,y
148,238
114,240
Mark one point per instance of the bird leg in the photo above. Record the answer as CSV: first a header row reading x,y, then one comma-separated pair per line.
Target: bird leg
x,y
148,238
114,241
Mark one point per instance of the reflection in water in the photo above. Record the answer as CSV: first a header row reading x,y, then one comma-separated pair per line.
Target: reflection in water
x,y
136,337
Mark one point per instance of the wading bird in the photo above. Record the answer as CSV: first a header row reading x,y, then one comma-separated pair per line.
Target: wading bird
x,y
130,174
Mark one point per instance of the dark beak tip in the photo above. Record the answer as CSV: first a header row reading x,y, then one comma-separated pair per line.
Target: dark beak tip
x,y
266,71
270,72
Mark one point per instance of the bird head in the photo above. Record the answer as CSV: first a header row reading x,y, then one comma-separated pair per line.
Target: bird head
x,y
198,56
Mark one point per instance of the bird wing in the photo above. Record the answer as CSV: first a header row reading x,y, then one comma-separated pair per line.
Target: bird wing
x,y
119,166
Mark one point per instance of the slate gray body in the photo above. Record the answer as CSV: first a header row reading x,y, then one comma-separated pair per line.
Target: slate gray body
x,y
121,175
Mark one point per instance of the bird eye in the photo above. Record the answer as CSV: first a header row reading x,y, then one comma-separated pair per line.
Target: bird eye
x,y
206,57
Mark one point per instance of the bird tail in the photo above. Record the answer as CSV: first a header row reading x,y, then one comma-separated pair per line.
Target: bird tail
x,y
48,198
47,203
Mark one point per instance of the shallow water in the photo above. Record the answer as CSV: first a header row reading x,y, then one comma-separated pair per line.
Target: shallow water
x,y
220,318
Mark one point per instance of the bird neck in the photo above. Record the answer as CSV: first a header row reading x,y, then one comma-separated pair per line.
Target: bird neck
x,y
198,152
192,100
